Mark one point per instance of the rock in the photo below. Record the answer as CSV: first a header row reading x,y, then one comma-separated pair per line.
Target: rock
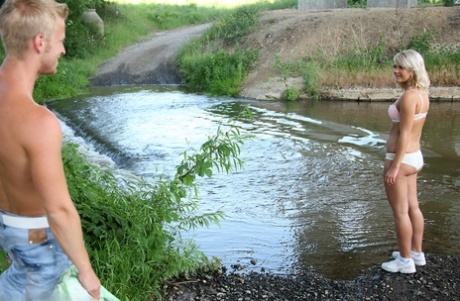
x,y
91,17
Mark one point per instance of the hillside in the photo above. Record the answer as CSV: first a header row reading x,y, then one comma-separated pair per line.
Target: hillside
x,y
296,34
293,34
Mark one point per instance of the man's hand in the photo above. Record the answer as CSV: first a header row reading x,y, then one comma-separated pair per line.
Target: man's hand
x,y
91,283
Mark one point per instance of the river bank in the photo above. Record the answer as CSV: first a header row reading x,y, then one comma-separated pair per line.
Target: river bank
x,y
438,280
290,36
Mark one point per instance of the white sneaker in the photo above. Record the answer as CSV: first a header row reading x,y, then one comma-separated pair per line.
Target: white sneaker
x,y
396,265
418,259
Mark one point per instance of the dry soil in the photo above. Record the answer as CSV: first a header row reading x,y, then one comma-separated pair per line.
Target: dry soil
x,y
293,34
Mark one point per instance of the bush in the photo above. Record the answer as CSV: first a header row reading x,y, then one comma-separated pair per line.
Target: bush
x,y
219,73
208,66
132,227
290,94
82,39
357,3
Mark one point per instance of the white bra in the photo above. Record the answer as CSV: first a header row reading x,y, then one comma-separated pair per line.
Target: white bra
x,y
395,116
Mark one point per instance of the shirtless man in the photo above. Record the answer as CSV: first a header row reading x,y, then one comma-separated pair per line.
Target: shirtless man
x,y
40,228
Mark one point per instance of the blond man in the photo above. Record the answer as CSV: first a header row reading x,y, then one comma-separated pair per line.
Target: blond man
x,y
40,228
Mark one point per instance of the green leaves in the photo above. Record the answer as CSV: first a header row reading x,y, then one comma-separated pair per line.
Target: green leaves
x,y
133,227
220,151
209,64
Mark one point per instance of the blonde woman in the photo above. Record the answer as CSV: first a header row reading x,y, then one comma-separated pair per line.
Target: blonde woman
x,y
404,160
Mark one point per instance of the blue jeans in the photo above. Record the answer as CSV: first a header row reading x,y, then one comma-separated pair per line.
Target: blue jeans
x,y
35,269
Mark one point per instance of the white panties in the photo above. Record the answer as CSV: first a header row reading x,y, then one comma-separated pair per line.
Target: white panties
x,y
414,159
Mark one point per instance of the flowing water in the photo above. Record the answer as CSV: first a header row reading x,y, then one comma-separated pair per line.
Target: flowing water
x,y
310,194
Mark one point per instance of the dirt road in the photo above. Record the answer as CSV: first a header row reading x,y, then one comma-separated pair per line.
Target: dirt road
x,y
149,62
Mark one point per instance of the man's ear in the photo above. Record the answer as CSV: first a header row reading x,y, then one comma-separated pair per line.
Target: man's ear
x,y
39,43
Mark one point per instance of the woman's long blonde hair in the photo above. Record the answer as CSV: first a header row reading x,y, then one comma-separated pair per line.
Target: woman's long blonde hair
x,y
414,63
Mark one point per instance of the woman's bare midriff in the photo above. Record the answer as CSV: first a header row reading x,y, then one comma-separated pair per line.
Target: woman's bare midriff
x,y
414,137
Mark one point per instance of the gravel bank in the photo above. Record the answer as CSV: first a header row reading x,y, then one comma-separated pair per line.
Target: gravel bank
x,y
438,280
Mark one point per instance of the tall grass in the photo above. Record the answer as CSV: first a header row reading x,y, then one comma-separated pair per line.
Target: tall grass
x,y
214,63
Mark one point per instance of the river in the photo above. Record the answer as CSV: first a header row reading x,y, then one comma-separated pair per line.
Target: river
x,y
310,194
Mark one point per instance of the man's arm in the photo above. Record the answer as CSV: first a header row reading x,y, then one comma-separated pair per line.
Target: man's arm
x,y
43,146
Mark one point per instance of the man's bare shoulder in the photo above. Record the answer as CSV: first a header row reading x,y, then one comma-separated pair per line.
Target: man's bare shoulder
x,y
27,120
41,123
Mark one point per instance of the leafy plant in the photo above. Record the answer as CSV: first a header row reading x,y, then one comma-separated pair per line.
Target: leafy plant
x,y
133,227
357,3
290,94
302,68
422,42
218,73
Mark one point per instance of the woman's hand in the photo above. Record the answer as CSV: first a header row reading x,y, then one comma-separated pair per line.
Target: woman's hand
x,y
390,176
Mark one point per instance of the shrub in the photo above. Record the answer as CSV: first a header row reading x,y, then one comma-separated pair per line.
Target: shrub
x,y
422,42
290,94
208,66
219,73
133,227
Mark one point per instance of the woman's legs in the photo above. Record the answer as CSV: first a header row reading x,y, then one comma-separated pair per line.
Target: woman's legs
x,y
397,195
415,214
408,219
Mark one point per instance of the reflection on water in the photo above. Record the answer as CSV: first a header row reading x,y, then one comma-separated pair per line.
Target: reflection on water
x,y
310,193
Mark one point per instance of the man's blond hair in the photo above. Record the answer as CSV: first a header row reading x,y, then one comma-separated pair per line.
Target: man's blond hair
x,y
22,20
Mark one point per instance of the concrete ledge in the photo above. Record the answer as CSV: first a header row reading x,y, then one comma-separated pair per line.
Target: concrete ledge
x,y
321,4
392,3
437,94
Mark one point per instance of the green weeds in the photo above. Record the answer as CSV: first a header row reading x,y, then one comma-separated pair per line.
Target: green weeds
x,y
133,227
290,94
304,68
214,63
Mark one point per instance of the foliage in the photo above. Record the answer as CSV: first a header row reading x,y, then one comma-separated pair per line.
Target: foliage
x,y
449,2
357,3
133,227
363,3
302,68
311,80
69,80
235,25
218,73
437,2
205,63
172,16
290,94
362,58
421,43
81,39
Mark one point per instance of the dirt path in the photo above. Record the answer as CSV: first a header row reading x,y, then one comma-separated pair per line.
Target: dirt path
x,y
149,62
